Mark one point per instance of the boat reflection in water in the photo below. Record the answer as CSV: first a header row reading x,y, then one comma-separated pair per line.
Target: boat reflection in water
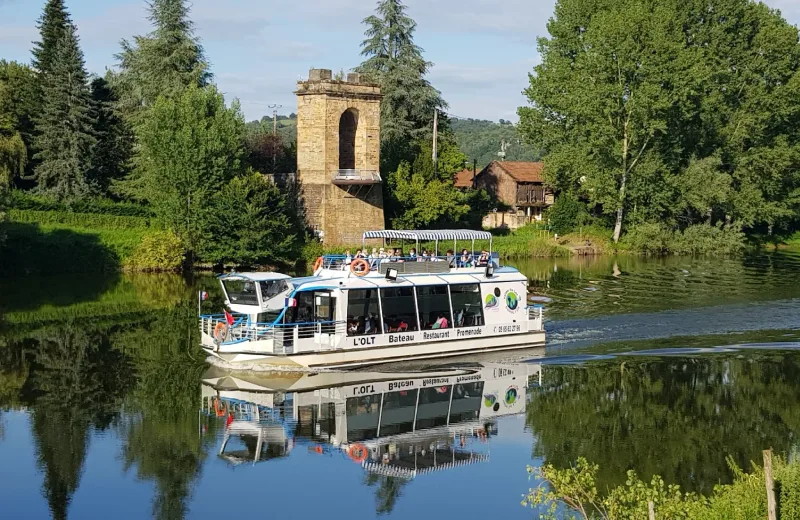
x,y
395,424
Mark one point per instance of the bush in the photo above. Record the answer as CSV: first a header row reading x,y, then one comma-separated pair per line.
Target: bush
x,y
703,239
566,214
649,239
700,239
158,251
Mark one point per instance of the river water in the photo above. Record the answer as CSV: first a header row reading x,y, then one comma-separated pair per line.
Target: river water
x,y
664,366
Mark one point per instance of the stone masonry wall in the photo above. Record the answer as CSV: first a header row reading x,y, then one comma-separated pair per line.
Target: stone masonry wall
x,y
341,213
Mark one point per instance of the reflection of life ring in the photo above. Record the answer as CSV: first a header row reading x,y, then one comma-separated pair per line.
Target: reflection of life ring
x,y
358,452
219,407
317,264
220,332
364,267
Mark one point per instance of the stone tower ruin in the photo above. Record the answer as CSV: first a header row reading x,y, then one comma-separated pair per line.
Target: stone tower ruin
x,y
338,156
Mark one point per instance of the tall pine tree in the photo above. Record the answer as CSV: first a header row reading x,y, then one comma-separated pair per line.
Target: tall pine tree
x,y
64,128
52,25
112,153
396,63
164,62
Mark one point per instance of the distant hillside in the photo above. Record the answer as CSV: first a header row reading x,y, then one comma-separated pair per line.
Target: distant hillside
x,y
287,127
482,140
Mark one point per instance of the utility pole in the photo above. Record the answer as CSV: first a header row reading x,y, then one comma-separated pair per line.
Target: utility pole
x,y
435,135
474,171
274,134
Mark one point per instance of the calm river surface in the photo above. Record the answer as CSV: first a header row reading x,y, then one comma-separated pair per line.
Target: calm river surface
x,y
668,366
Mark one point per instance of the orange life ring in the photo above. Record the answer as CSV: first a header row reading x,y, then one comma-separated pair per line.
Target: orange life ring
x,y
359,261
317,264
219,407
220,332
358,452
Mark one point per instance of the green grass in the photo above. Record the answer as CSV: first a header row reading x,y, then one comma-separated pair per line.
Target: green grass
x,y
78,220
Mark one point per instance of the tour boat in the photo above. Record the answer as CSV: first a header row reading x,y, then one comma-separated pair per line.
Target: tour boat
x,y
366,310
399,423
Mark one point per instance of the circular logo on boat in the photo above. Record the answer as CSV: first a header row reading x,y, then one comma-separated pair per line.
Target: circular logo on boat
x,y
490,302
512,300
511,396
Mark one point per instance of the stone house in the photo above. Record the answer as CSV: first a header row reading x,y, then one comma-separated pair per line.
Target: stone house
x,y
520,187
463,180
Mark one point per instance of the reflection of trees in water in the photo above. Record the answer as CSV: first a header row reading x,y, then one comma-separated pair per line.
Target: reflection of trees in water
x,y
675,417
161,435
388,492
77,383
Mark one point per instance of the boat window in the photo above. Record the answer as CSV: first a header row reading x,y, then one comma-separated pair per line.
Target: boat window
x,y
467,308
433,405
362,417
363,312
268,317
466,404
241,292
399,309
398,412
272,288
434,304
303,312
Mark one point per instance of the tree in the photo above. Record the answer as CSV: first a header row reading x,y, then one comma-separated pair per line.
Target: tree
x,y
609,81
424,202
250,223
164,62
64,128
190,147
641,105
17,108
395,62
114,148
266,153
449,161
53,25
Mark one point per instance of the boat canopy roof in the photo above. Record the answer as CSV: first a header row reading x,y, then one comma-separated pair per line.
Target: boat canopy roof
x,y
434,234
255,276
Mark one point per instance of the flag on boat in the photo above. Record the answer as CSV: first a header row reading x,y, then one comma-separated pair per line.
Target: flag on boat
x,y
229,318
203,296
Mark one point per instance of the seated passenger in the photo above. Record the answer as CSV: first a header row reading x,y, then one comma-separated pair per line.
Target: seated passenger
x,y
412,255
440,323
451,258
483,260
466,258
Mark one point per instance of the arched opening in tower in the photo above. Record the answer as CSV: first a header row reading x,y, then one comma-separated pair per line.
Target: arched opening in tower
x,y
348,124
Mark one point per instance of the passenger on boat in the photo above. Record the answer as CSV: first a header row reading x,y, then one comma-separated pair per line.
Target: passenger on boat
x,y
440,323
360,254
412,254
483,260
466,258
382,253
451,258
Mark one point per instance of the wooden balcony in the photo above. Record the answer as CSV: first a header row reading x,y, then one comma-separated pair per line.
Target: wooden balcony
x,y
532,195
353,177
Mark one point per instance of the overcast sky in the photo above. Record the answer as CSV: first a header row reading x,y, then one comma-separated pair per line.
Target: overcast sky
x,y
482,50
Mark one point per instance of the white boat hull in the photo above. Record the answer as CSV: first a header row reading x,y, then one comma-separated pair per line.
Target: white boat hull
x,y
251,353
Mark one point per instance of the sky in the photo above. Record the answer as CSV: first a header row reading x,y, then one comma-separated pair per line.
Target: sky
x,y
482,50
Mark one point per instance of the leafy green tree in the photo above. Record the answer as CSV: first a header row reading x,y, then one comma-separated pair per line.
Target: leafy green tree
x,y
17,109
609,81
190,147
163,63
450,160
251,222
64,140
424,202
114,149
396,63
659,112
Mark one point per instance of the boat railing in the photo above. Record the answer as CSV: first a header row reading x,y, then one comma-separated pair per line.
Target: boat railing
x,y
241,330
410,264
283,334
325,333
